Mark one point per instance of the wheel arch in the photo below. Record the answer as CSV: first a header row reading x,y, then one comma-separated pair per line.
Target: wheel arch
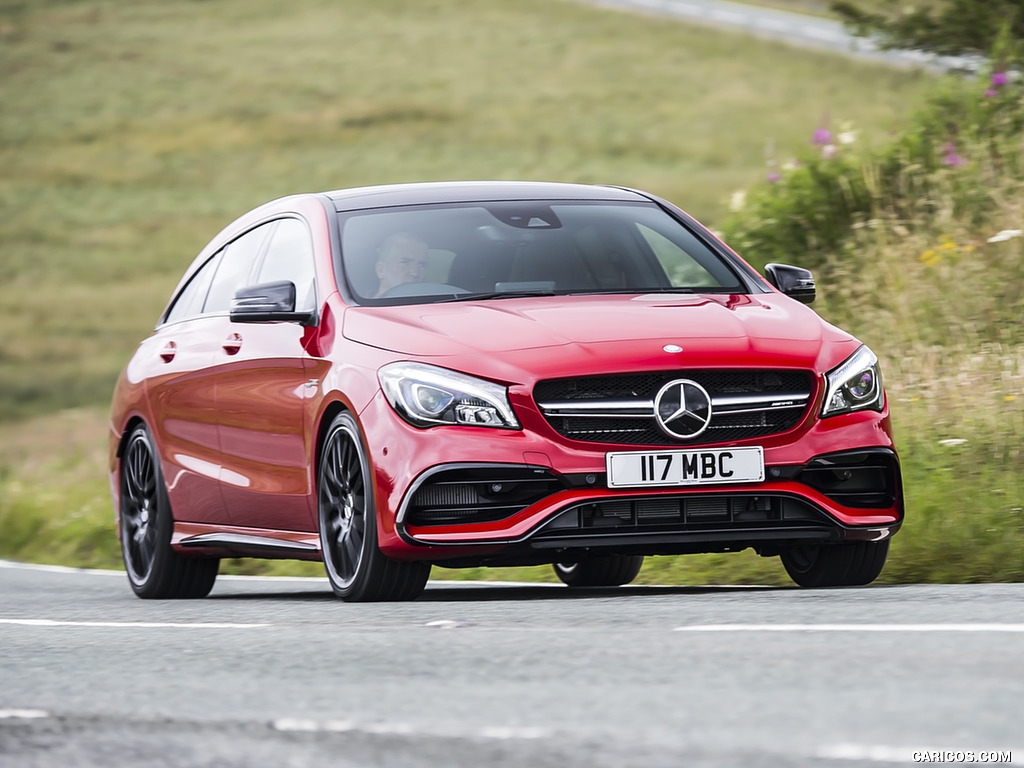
x,y
327,416
129,427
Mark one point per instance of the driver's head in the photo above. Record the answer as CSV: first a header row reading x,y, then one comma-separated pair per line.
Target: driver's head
x,y
402,259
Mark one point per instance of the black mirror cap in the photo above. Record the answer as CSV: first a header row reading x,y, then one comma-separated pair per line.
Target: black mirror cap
x,y
795,282
268,302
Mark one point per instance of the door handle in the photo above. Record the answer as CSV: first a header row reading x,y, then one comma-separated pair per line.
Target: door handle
x,y
232,344
168,352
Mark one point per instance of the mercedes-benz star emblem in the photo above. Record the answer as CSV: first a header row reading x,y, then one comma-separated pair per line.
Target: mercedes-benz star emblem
x,y
682,409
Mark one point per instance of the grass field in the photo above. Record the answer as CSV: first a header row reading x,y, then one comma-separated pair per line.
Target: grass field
x,y
131,132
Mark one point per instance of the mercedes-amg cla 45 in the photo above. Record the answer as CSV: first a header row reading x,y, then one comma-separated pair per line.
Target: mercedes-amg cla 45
x,y
483,374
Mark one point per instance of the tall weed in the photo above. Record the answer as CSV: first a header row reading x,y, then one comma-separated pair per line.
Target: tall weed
x,y
919,251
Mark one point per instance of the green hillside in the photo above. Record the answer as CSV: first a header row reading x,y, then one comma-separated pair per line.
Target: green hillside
x,y
130,133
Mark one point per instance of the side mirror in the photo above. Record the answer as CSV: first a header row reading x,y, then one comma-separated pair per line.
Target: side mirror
x,y
795,282
268,302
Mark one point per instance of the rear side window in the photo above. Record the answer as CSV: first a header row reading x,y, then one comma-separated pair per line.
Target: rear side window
x,y
235,269
189,302
290,257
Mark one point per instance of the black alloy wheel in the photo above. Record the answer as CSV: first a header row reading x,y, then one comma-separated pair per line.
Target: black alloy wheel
x,y
851,564
154,569
357,569
600,570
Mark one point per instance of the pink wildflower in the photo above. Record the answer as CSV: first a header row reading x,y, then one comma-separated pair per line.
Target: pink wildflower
x,y
951,157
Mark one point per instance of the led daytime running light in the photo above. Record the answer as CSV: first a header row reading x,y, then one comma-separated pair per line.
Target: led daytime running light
x,y
427,396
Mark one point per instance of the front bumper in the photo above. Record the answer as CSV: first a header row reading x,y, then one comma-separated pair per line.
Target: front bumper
x,y
587,516
535,498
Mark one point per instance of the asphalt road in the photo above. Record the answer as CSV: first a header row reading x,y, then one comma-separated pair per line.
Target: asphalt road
x,y
277,672
791,28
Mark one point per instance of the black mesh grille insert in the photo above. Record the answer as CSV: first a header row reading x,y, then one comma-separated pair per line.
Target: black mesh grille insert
x,y
478,494
865,480
643,387
691,512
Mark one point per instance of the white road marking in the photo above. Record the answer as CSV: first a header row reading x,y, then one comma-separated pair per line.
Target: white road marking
x,y
133,624
447,624
23,714
57,568
498,732
871,753
12,565
851,628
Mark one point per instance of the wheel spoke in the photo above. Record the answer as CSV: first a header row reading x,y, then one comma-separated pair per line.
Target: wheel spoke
x,y
145,551
330,495
350,552
358,517
343,562
334,518
356,540
132,485
331,470
344,461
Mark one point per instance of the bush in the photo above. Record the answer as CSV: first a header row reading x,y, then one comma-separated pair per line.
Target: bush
x,y
955,152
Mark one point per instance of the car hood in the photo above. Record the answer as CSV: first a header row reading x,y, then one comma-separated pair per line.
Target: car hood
x,y
564,335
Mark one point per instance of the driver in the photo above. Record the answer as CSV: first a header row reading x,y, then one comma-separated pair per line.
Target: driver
x,y
402,258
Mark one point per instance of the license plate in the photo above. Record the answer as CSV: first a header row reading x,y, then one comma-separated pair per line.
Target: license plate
x,y
637,469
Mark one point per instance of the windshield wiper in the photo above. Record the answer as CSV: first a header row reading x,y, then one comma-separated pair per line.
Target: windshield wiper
x,y
497,295
546,292
628,289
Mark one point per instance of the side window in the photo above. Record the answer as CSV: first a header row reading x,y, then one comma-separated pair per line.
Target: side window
x,y
290,257
235,268
189,302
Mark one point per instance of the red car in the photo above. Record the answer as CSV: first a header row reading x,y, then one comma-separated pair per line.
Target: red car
x,y
494,373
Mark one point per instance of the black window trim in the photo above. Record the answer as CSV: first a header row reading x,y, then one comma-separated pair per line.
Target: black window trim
x,y
257,264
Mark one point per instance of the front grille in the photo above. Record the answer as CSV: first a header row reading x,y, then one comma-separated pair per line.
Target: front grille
x,y
684,513
478,494
619,409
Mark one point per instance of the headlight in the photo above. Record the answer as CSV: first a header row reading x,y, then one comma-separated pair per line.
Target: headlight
x,y
856,385
425,396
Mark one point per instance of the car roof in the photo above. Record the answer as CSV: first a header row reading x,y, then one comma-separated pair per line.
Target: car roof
x,y
473,191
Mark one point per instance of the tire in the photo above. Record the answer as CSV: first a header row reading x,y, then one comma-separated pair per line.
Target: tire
x,y
600,570
155,570
356,568
840,565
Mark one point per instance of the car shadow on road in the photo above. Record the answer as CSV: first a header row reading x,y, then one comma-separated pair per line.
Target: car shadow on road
x,y
468,592
471,592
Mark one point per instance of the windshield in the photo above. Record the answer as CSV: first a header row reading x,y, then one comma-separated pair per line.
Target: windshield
x,y
491,250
